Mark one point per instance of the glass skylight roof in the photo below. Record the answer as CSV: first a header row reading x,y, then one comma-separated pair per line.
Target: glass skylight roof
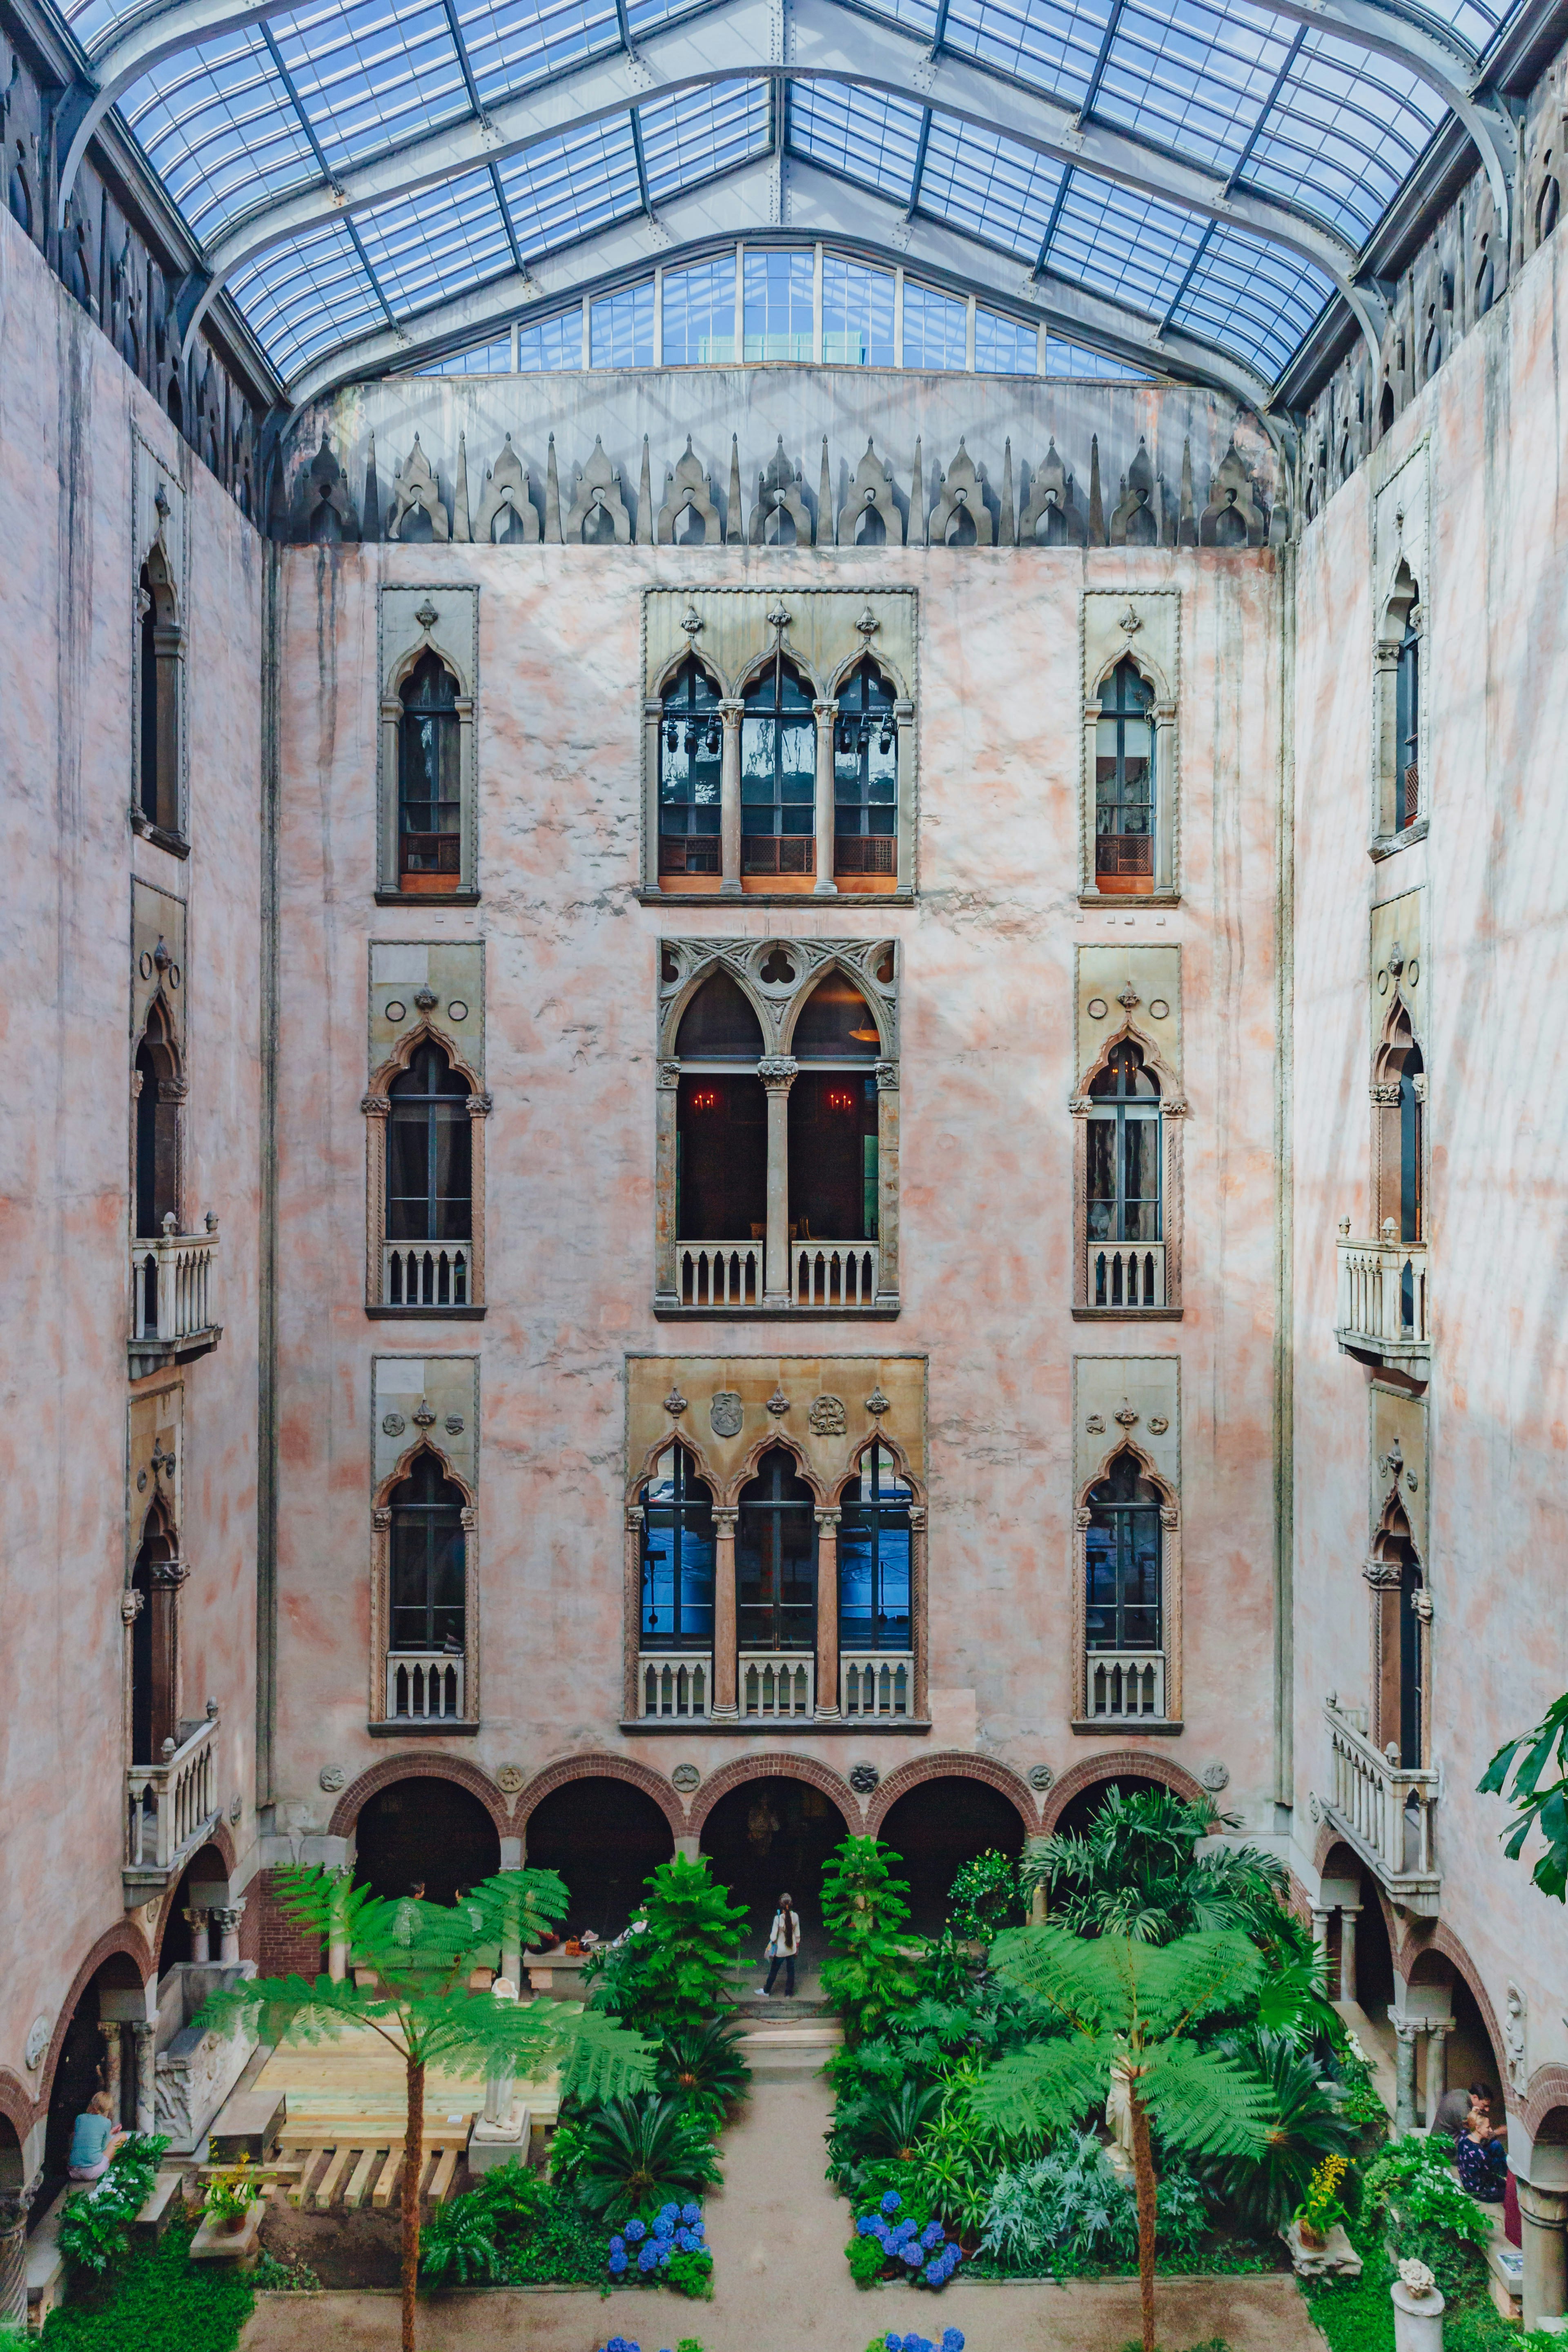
x,y
1305,120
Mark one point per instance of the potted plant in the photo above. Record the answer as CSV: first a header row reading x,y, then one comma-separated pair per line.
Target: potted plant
x,y
230,2195
1320,2209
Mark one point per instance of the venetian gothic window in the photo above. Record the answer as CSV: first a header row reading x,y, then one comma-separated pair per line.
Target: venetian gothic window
x,y
155,1580
721,1120
778,773
429,1184
775,1557
1398,713
429,786
161,643
866,776
1401,1611
679,1557
428,1599
1407,723
1124,784
874,1547
834,1175
690,770
1123,1193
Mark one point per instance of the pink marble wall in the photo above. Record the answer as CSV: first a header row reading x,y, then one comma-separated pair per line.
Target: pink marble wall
x,y
67,407
987,1139
1495,869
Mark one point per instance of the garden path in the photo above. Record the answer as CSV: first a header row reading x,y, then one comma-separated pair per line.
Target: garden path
x,y
782,2285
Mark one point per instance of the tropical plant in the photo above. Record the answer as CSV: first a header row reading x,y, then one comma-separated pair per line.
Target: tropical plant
x,y
635,2152
1307,2124
704,2067
542,2237
1320,2207
875,1971
1135,1871
1424,2214
1540,1808
1127,2010
676,1960
985,1897
231,2193
888,2123
459,2242
1071,2211
418,1957
94,2231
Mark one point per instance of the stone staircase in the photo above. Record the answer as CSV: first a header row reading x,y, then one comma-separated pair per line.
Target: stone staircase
x,y
782,2037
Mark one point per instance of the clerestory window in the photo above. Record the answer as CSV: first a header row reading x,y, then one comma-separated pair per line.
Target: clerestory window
x,y
1124,784
690,766
866,777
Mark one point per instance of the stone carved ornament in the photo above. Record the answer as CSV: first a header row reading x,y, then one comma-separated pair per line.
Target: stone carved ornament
x,y
1515,2021
509,1780
775,974
36,2044
686,1776
828,1416
725,1413
863,1779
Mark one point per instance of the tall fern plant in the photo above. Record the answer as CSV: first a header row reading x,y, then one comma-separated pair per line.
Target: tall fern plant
x,y
1128,2008
875,1968
421,1955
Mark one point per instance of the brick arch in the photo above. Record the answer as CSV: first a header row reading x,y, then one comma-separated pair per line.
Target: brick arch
x,y
781,1766
16,2103
1545,2093
597,1764
418,1766
1112,1766
122,1938
221,1836
952,1764
1443,1940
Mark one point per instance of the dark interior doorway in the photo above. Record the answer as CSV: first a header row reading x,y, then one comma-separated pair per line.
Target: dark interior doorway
x,y
205,1868
603,1836
938,1827
84,2068
1078,1813
770,1837
426,1830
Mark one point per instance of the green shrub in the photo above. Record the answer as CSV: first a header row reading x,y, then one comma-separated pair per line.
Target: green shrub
x,y
95,2224
986,1899
703,2068
160,2302
458,2243
1423,2214
876,1966
279,2276
865,2261
676,1960
633,2153
691,2275
1309,2123
1071,2212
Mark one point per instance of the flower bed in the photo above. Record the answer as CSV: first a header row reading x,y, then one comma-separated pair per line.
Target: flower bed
x,y
669,2250
890,2244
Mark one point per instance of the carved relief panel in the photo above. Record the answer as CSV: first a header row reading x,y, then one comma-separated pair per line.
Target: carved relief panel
x,y
428,651
1130,818
1128,1113
160,605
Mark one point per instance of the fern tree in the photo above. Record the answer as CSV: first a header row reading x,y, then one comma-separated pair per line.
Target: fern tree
x,y
875,1969
675,1963
1127,2007
422,1955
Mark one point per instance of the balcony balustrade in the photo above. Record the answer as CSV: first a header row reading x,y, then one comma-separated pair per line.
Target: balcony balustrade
x,y
423,1686
426,1273
169,1809
674,1684
719,1273
173,1295
776,1685
1383,1310
1126,1274
1383,1808
876,1683
833,1274
1125,1685
840,1276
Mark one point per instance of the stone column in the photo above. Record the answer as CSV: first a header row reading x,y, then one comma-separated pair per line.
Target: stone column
x,y
1438,2034
1320,1917
228,1920
777,1073
1038,1905
13,2205
731,710
827,1613
825,887
1544,2214
112,2082
665,1256
724,1517
197,1921
146,2040
1404,2078
1349,1913
887,1183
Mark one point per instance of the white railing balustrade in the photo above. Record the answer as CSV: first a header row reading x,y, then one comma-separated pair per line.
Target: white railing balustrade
x,y
169,1806
775,1686
833,1274
172,1286
1125,1685
674,1683
1384,1307
719,1273
1385,1808
426,1273
424,1686
1127,1274
876,1683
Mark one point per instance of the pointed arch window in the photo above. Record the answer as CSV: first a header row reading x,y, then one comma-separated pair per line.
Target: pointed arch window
x,y
428,1597
159,696
778,773
155,1580
680,1549
1407,721
1124,783
1124,1600
427,1210
429,779
866,776
874,1552
775,1557
690,770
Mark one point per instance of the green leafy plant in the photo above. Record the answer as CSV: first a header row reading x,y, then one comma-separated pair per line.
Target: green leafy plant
x,y
632,2153
1071,2212
459,2242
1423,2214
676,1959
985,1897
420,1956
691,2275
1125,2012
875,1968
94,2230
159,2302
290,2274
1135,1871
543,2236
1307,2122
704,2068
1320,2207
888,2123
1543,1807
230,2194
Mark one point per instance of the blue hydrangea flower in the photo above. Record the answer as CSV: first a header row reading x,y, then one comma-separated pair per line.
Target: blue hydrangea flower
x,y
952,2339
664,2227
670,2213
635,2231
690,2212
618,2246
894,2344
910,2254
648,2259
866,2227
618,2265
931,2235
890,2204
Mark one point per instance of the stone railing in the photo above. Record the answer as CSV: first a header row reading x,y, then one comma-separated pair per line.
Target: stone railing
x,y
876,1683
674,1683
1383,1808
423,1686
169,1807
1126,1274
776,1684
173,1296
833,1274
719,1273
1124,1685
1384,1307
426,1273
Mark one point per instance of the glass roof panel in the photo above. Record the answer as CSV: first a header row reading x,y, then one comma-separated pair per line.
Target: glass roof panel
x,y
1192,77
485,359
571,186
1004,346
1252,298
998,192
1074,359
1474,21
858,133
218,128
697,132
304,298
1346,131
372,73
1050,44
436,243
1122,244
511,43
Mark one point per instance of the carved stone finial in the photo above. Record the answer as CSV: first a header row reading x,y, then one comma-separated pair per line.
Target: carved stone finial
x,y
674,1403
779,620
424,1418
868,624
1130,998
426,1000
426,616
1130,621
692,621
1126,1417
778,1402
877,1403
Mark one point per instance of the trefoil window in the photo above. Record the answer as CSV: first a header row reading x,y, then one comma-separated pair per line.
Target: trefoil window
x,y
429,766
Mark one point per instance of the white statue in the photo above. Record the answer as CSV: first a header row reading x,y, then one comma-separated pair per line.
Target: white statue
x,y
1515,2012
498,2085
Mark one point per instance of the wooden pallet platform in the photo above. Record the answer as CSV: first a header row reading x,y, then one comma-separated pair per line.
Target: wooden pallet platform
x,y
359,2162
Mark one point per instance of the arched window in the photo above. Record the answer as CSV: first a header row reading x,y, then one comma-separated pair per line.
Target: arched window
x,y
157,1128
158,696
834,1163
775,1557
721,1144
1124,783
1407,721
155,1581
778,773
678,1552
1122,1554
1400,1612
1123,1207
1411,1631
429,1184
430,788
428,1611
866,776
874,1557
1410,1180
690,765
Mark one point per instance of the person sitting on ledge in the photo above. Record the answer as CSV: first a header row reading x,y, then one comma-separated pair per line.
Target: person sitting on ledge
x,y
1480,2150
1453,2114
95,2141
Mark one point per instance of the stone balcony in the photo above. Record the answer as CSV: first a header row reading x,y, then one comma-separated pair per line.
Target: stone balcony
x,y
837,1277
776,1686
1383,1310
171,1808
1382,1809
173,1294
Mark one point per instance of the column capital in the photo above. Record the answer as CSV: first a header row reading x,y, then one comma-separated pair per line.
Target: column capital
x,y
667,1077
731,708
887,1077
828,1520
1404,2030
375,1105
725,1515
778,1072
1545,2208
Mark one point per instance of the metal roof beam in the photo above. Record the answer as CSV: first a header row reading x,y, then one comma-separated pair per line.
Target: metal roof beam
x,y
732,41
739,204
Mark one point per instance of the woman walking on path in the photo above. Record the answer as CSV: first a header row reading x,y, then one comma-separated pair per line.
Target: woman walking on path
x,y
784,1943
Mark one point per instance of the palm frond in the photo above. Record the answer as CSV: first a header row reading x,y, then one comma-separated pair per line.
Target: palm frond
x,y
594,2056
1065,1974
295,2007
1204,2104
1191,1978
1046,2086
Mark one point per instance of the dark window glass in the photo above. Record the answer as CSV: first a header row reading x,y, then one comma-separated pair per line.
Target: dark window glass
x,y
429,807
678,1557
834,1024
778,773
874,1557
428,1185
775,1558
1124,776
866,776
1409,1667
722,1160
1410,1149
1407,725
833,1163
1122,1558
718,1024
427,1611
1124,1150
690,764
149,713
